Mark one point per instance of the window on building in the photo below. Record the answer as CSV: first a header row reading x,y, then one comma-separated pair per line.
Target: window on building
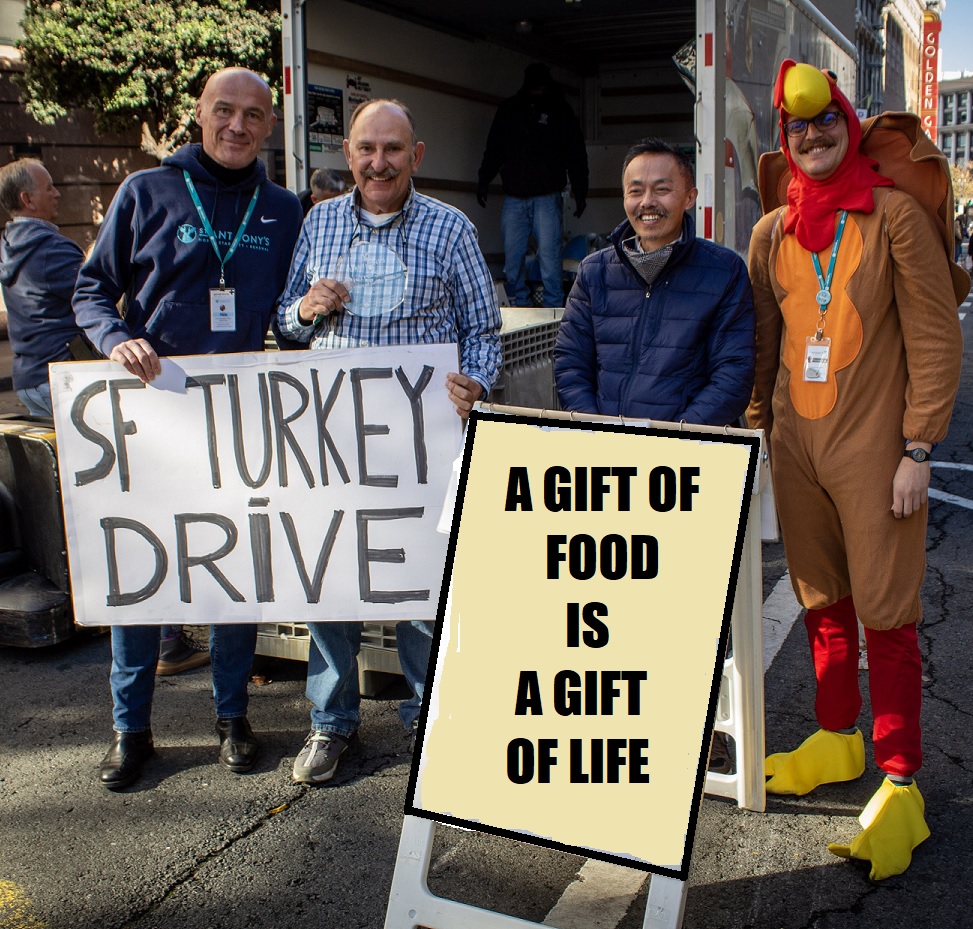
x,y
946,144
962,100
948,116
11,13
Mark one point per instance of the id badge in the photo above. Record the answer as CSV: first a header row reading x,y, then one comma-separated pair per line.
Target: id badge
x,y
222,310
817,354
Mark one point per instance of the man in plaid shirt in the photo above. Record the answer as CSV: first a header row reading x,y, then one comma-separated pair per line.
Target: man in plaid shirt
x,y
419,278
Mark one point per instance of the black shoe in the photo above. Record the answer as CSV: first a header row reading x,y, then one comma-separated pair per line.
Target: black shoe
x,y
123,763
238,744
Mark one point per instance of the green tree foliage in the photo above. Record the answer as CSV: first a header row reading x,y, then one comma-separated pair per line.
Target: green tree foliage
x,y
140,62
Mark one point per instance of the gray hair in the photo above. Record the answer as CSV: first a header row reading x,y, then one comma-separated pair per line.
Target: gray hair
x,y
327,179
16,178
384,101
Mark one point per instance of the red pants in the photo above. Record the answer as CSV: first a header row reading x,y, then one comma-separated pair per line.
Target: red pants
x,y
894,683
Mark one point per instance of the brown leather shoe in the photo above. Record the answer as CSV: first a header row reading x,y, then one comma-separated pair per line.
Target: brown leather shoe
x,y
238,744
126,755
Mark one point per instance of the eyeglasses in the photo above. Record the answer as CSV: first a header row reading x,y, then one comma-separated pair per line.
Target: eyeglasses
x,y
824,121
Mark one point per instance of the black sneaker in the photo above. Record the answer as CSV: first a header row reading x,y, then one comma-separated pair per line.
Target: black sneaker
x,y
317,761
181,654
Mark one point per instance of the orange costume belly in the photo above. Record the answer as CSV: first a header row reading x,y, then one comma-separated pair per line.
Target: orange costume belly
x,y
842,322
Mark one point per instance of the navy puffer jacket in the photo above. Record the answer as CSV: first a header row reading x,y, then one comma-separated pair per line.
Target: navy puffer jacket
x,y
682,350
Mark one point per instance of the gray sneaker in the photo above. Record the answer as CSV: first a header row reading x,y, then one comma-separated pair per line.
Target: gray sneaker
x,y
317,761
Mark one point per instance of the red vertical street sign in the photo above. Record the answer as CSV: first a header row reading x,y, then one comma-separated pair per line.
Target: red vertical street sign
x,y
929,89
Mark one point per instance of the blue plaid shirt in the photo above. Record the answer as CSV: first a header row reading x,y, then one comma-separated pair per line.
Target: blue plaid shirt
x,y
449,294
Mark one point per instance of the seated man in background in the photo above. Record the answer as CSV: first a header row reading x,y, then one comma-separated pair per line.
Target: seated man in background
x,y
38,271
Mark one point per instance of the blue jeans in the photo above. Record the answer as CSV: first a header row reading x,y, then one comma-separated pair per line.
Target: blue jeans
x,y
332,673
541,216
37,399
135,653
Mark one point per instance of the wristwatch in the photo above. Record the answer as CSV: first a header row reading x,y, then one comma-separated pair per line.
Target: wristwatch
x,y
918,455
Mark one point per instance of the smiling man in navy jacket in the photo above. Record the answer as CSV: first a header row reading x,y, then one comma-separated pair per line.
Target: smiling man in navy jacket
x,y
659,325
199,247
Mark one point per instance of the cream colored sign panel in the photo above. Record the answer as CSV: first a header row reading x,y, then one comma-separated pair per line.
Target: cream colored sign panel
x,y
591,579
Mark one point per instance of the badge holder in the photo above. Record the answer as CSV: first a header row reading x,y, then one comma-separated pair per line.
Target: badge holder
x,y
378,278
222,309
817,355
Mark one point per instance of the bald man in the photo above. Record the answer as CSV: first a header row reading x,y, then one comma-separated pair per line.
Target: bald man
x,y
167,244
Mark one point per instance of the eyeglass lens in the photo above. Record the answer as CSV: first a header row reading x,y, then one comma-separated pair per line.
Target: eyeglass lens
x,y
823,121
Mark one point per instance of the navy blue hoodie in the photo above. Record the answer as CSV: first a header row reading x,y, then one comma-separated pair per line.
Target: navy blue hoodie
x,y
152,250
38,268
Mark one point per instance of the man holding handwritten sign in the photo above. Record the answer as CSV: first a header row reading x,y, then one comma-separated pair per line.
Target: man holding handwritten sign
x,y
384,265
199,248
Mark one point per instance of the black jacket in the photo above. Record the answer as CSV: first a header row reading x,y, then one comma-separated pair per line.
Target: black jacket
x,y
536,144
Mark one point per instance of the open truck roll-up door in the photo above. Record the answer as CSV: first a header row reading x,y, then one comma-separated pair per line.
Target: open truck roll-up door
x,y
698,73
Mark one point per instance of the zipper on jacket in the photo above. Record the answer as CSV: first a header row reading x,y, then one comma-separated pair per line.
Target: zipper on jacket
x,y
636,348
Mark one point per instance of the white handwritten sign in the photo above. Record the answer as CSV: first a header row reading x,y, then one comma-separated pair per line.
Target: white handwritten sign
x,y
286,486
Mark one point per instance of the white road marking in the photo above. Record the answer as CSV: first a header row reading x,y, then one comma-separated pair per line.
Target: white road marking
x,y
950,498
942,494
598,899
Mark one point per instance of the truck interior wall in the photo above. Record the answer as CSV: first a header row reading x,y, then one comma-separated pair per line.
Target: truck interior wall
x,y
453,85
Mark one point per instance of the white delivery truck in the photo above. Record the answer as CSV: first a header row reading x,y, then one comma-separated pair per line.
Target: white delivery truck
x,y
698,73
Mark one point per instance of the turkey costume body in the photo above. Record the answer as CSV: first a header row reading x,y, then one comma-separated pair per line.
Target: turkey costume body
x,y
837,441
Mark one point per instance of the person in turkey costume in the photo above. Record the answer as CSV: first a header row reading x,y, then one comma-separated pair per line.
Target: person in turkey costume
x,y
858,362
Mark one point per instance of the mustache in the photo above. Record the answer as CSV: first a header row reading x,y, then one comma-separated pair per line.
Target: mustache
x,y
387,175
654,209
821,140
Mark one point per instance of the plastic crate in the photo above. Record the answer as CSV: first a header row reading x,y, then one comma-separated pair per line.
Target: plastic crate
x,y
527,377
377,660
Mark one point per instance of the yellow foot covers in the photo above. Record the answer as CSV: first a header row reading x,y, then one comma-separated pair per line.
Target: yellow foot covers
x,y
824,758
893,824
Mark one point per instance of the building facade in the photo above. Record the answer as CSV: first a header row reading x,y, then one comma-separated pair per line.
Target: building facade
x,y
889,40
956,119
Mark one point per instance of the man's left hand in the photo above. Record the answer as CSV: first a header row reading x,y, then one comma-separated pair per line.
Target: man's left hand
x,y
463,392
910,487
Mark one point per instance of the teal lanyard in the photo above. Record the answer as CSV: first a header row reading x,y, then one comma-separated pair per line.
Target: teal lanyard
x,y
208,226
823,296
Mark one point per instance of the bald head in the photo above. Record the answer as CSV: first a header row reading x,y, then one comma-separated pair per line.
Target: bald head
x,y
383,154
236,115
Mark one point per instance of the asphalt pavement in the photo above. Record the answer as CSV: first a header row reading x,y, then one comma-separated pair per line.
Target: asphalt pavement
x,y
192,846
